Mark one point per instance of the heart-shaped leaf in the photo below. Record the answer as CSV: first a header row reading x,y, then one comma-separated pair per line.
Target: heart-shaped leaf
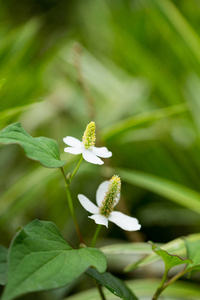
x,y
169,259
40,259
113,284
42,149
3,265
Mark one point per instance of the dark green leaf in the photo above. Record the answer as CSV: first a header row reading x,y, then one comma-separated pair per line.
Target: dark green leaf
x,y
3,265
40,259
169,259
42,149
113,284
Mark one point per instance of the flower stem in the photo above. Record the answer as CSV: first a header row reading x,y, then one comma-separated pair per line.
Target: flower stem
x,y
75,170
71,207
95,236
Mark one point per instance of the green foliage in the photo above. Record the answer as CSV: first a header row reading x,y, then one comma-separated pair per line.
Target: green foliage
x,y
193,250
3,265
144,85
39,258
113,284
42,149
175,247
2,81
169,259
144,287
142,120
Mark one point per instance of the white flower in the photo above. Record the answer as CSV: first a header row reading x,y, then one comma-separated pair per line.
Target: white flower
x,y
107,196
87,146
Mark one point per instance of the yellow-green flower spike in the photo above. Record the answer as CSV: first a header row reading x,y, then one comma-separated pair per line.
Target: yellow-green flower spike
x,y
109,201
89,136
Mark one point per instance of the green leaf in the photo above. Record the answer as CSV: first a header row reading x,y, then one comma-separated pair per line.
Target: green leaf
x,y
142,120
181,25
176,246
193,250
7,114
113,284
42,149
3,265
169,259
40,259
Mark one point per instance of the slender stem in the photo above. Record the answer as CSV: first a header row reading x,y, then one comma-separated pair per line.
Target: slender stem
x,y
75,170
160,288
170,281
95,235
66,182
71,207
177,276
99,287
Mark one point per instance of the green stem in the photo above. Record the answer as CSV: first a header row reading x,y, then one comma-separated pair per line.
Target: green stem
x,y
177,276
99,287
71,207
95,235
75,170
164,284
160,288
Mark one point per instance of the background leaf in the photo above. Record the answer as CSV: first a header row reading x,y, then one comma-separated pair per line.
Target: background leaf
x,y
3,265
39,259
193,251
169,259
113,284
175,247
42,149
145,288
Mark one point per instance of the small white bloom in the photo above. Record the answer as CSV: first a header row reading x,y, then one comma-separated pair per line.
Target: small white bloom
x,y
87,146
107,196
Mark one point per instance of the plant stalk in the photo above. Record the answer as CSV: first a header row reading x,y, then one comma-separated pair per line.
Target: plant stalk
x,y
170,281
71,207
161,287
99,287
75,170
95,235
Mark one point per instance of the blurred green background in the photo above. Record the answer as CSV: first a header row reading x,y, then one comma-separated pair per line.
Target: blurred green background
x,y
133,67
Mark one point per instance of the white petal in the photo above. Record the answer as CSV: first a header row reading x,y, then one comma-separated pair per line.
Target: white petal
x,y
92,158
74,150
101,191
124,221
87,204
102,152
99,219
71,141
